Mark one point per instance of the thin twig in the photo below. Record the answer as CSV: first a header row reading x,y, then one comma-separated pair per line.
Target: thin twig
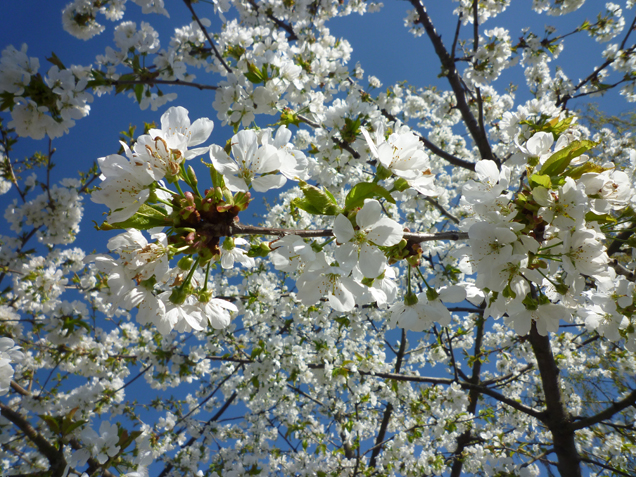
x,y
207,35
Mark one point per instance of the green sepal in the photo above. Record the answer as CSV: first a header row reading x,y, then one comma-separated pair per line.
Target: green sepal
x,y
381,173
431,294
178,295
365,190
185,263
509,292
410,299
530,303
400,185
192,177
288,117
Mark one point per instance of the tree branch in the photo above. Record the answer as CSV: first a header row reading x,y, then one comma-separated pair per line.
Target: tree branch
x,y
623,271
614,408
473,395
152,82
389,407
622,237
449,70
454,160
279,23
557,419
419,379
166,470
53,455
207,35
224,230
606,467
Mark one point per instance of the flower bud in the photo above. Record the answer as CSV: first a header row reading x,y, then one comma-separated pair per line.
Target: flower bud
x,y
192,177
185,263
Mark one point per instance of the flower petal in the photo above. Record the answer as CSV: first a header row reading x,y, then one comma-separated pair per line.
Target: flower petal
x,y
342,229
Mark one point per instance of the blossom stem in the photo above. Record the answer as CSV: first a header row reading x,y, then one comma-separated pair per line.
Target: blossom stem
x,y
188,279
547,278
422,277
166,190
176,184
550,246
161,201
207,275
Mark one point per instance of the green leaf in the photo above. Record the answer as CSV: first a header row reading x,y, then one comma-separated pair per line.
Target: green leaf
x,y
7,101
135,63
601,219
305,205
351,129
365,190
56,61
576,172
560,160
560,127
342,321
288,117
540,180
260,250
331,196
120,88
51,422
70,427
146,218
139,91
126,439
400,184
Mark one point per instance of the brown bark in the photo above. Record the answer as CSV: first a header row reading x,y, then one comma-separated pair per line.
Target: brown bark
x,y
557,417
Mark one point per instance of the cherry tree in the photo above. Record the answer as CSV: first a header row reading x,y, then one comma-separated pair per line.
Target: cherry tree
x,y
441,284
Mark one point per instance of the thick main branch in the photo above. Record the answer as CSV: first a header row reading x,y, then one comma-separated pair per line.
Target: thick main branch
x,y
54,456
557,419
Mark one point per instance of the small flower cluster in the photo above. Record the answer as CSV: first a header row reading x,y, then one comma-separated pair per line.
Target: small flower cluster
x,y
42,106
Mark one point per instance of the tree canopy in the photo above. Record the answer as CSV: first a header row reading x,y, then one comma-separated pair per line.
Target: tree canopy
x,y
441,280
